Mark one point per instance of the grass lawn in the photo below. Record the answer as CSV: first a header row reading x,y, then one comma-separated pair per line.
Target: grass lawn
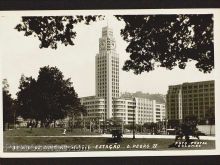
x,y
45,132
93,143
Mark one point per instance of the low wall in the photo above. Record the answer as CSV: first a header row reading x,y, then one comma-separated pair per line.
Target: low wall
x,y
207,129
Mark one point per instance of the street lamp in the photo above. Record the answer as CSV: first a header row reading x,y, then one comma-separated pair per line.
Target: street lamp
x,y
122,126
14,119
103,128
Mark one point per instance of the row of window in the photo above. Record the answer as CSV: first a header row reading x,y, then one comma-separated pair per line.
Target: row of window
x,y
94,102
115,79
95,106
102,83
200,90
195,102
144,104
115,93
145,112
101,73
101,61
198,86
115,76
115,83
96,110
104,67
206,95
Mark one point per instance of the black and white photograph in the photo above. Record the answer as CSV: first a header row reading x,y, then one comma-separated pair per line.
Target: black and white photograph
x,y
109,82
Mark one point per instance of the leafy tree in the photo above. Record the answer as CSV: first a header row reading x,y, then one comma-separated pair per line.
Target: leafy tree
x,y
153,40
48,98
147,125
8,105
210,115
128,126
75,114
115,122
173,123
168,41
53,29
139,127
28,98
191,120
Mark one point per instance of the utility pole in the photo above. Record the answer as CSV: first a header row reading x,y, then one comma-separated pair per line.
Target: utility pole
x,y
99,126
84,124
166,126
90,126
122,126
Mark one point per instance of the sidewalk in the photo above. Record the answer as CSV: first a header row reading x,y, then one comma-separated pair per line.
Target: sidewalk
x,y
125,136
162,136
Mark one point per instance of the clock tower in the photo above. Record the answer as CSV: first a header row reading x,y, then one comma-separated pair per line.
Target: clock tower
x,y
107,71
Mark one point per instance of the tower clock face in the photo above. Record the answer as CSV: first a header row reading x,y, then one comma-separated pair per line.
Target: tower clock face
x,y
113,45
102,45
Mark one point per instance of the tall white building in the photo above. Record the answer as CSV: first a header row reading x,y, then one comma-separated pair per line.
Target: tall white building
x,y
107,70
107,103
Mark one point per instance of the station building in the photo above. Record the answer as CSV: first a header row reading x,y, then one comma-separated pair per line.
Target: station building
x,y
107,103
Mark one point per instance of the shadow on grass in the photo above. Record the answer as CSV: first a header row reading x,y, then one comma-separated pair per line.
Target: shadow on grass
x,y
113,140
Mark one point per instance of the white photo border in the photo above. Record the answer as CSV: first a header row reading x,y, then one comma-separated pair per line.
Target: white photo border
x,y
216,151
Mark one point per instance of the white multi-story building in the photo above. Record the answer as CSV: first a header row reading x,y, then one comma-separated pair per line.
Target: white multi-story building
x,y
125,109
95,107
159,112
107,70
145,110
107,103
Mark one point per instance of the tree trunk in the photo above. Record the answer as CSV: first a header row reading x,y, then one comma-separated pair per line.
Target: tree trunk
x,y
36,123
31,124
42,123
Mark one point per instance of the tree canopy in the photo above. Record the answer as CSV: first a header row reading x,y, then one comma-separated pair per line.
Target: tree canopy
x,y
27,98
48,98
168,41
8,104
153,40
53,29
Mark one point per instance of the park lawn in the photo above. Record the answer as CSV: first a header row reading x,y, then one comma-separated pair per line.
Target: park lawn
x,y
17,137
45,132
162,144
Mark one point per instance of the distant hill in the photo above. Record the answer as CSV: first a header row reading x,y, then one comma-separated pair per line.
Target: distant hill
x,y
158,97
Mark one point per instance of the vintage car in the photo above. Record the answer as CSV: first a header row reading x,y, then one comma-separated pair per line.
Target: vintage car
x,y
116,133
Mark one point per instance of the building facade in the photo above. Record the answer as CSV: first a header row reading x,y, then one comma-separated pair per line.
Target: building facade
x,y
95,107
141,110
190,99
159,112
107,70
107,103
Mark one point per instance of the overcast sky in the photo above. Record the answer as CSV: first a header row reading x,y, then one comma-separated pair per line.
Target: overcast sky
x,y
22,55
